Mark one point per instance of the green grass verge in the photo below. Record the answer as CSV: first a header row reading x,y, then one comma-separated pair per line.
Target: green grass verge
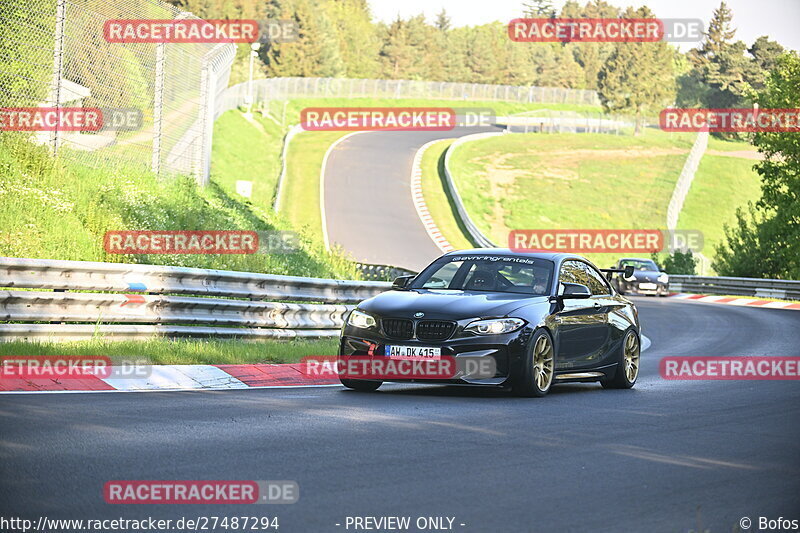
x,y
248,150
720,185
438,201
300,192
181,352
569,181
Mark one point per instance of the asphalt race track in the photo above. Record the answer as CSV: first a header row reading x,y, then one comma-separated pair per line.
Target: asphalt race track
x,y
368,207
665,456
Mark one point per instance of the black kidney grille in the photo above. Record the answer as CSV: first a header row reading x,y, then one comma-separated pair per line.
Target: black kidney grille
x,y
397,328
435,330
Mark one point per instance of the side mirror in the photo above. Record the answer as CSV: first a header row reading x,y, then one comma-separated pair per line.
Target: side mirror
x,y
628,272
402,282
575,291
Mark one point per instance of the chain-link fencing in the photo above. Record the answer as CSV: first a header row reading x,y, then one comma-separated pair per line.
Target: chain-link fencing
x,y
272,89
55,55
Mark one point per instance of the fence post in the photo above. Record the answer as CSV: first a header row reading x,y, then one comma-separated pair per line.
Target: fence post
x,y
158,106
58,68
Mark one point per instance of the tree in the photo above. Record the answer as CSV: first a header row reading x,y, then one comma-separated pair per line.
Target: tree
x,y
314,53
767,242
358,39
765,55
555,66
590,56
678,263
720,63
637,77
412,49
442,21
539,8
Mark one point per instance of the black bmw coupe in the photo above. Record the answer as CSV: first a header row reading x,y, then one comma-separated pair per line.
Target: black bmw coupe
x,y
535,319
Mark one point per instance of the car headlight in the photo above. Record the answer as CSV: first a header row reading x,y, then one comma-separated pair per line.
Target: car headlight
x,y
495,326
360,319
663,278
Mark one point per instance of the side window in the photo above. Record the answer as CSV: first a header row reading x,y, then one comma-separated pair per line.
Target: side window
x,y
573,272
597,284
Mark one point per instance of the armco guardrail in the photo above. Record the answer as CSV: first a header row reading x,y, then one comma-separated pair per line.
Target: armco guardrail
x,y
757,288
477,237
145,300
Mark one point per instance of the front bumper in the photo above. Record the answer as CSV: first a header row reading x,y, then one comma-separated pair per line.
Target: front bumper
x,y
506,351
644,287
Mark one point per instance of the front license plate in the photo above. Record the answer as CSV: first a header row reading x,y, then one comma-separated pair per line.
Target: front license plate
x,y
417,353
647,286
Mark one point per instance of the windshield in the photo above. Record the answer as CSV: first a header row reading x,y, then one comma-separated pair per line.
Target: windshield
x,y
639,264
488,273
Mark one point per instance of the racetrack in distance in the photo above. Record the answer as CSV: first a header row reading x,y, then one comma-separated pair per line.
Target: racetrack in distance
x,y
368,207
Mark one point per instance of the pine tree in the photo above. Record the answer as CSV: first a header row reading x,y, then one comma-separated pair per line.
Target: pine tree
x,y
357,37
442,21
720,63
539,9
638,77
314,53
765,55
397,55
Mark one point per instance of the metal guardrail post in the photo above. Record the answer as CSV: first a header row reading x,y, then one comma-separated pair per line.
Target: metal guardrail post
x,y
158,107
58,68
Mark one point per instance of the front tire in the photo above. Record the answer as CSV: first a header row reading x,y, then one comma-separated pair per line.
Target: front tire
x,y
538,372
627,370
361,385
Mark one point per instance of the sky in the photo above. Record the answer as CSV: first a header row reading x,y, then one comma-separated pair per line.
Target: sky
x,y
778,19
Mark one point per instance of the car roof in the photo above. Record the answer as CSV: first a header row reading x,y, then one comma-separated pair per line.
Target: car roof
x,y
556,257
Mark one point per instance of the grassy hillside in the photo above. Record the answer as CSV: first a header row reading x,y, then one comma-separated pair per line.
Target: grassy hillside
x,y
721,184
249,150
301,190
534,181
56,209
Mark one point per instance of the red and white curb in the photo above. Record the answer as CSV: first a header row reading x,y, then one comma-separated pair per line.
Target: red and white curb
x,y
419,201
735,300
177,378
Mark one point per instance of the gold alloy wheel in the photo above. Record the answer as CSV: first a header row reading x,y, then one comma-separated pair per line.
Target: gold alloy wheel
x,y
631,357
543,363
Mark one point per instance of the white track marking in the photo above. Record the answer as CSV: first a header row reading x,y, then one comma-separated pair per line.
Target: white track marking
x,y
419,200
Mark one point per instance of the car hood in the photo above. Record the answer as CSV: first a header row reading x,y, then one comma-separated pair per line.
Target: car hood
x,y
646,275
447,304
